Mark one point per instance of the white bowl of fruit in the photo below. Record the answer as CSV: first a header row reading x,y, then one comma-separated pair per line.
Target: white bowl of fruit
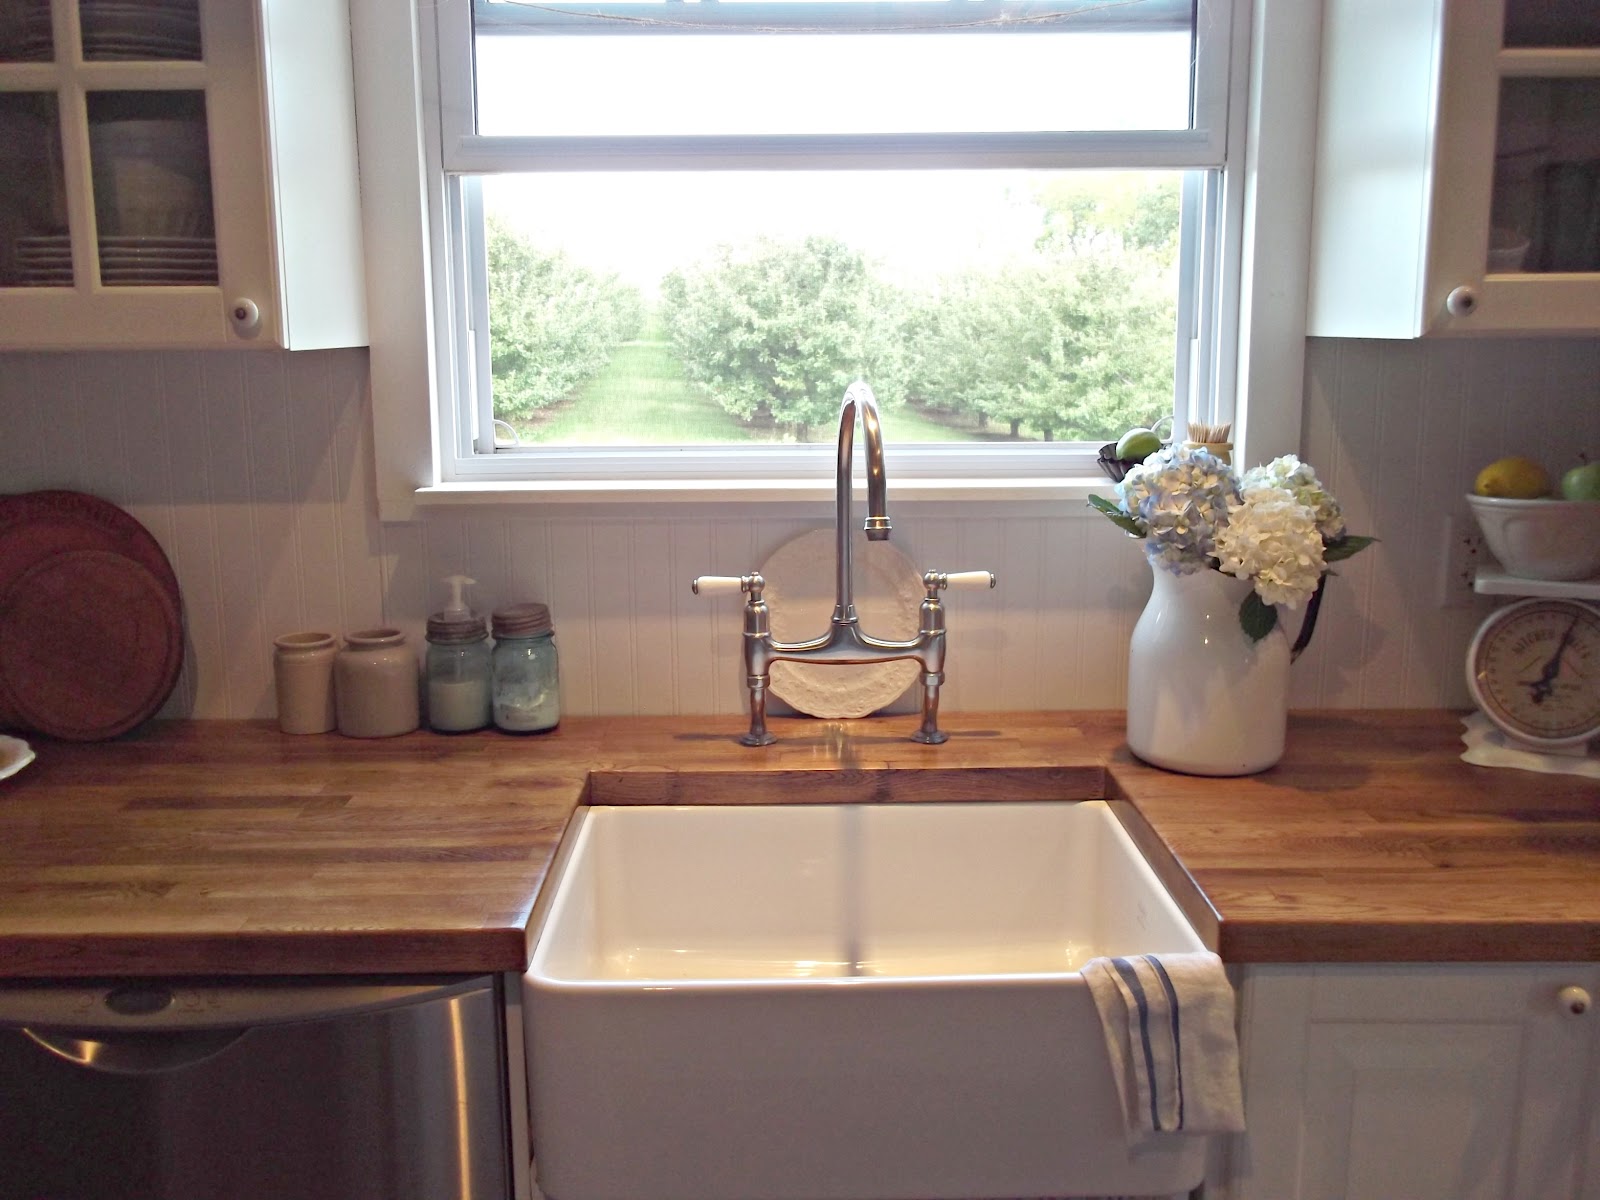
x,y
1534,529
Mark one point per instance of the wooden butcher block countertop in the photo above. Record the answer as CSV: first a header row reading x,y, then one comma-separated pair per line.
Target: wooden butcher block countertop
x,y
226,848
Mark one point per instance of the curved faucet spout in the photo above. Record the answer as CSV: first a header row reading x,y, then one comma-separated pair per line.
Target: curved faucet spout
x,y
859,404
845,643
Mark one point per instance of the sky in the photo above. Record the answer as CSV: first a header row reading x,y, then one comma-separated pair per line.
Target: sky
x,y
641,225
886,83
914,223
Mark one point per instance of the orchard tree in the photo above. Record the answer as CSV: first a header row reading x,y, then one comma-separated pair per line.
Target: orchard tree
x,y
966,352
780,329
1102,351
553,324
1075,344
1128,212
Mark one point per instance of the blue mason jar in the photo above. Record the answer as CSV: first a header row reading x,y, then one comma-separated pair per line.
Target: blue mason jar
x,y
527,678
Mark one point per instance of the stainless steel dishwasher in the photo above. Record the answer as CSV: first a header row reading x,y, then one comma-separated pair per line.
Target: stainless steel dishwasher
x,y
238,1090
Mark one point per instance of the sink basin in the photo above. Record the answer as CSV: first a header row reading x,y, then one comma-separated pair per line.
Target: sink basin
x,y
840,1002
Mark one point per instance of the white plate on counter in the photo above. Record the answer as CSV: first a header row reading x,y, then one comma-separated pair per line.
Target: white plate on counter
x,y
14,755
800,593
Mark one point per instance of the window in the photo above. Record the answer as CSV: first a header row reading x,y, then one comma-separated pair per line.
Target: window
x,y
667,234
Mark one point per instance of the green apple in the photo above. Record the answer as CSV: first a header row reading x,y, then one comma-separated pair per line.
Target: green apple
x,y
1582,483
1138,444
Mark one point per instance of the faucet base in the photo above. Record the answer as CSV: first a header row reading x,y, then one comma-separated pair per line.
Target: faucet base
x,y
935,738
757,739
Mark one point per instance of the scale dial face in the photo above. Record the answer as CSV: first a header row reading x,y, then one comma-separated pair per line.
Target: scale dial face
x,y
1534,669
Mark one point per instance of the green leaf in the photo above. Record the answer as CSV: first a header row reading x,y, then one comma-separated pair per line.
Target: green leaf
x,y
1345,547
1256,617
1122,519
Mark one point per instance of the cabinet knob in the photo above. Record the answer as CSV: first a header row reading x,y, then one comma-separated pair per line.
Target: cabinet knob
x,y
1574,1000
244,314
1462,302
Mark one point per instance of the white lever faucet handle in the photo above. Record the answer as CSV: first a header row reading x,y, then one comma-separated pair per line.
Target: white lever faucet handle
x,y
969,579
717,585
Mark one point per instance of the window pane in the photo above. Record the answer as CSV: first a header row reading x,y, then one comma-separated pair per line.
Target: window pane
x,y
993,307
982,68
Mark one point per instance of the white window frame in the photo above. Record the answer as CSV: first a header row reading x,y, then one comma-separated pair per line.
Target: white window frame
x,y
404,130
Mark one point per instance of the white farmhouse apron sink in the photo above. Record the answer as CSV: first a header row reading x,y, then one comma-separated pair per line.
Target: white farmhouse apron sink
x,y
840,1002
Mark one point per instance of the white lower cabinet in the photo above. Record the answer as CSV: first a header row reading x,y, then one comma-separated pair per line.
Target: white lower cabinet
x,y
1414,1082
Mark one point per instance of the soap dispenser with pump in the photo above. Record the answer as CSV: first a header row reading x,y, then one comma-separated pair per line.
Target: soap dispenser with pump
x,y
458,667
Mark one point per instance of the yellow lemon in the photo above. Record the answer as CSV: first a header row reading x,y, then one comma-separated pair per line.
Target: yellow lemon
x,y
1514,477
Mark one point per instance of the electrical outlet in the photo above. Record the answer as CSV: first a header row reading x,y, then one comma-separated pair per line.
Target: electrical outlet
x,y
1463,551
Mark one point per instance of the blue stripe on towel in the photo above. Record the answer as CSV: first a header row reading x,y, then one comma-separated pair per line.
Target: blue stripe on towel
x,y
1177,1042
1131,978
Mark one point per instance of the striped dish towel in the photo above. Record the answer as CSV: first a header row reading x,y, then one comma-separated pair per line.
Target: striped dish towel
x,y
1169,1027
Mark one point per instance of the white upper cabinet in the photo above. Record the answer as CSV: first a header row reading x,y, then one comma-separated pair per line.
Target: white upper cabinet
x,y
1457,169
178,174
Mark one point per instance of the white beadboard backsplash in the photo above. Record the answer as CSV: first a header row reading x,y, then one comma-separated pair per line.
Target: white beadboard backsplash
x,y
254,471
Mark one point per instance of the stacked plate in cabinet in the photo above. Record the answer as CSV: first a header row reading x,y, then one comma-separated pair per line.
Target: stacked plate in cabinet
x,y
44,261
157,261
25,34
124,30
91,626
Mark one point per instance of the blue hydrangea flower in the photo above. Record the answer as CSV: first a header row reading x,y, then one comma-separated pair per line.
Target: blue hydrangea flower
x,y
1180,496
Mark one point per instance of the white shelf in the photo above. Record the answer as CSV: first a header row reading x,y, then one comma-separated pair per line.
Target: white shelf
x,y
1496,582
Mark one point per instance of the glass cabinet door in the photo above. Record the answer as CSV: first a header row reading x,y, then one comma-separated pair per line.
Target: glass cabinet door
x,y
140,30
25,33
112,74
1545,213
35,249
178,173
152,188
1546,208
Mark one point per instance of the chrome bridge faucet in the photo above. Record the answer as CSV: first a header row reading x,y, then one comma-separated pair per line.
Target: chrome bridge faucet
x,y
845,642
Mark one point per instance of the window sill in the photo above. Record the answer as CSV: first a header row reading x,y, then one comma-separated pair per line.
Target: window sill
x,y
1057,496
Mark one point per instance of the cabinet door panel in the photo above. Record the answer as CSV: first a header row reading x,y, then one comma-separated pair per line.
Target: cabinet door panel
x,y
1409,1110
1394,1082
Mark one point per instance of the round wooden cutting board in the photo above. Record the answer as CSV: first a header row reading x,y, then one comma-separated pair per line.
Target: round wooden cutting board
x,y
93,643
37,526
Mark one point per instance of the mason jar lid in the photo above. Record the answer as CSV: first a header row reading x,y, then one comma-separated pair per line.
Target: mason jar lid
x,y
470,628
522,620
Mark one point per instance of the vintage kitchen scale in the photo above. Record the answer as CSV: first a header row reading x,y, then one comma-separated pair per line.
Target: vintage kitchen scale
x,y
1533,667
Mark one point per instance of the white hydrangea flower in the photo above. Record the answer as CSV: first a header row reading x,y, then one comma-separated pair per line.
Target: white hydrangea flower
x,y
1270,526
1297,478
1272,539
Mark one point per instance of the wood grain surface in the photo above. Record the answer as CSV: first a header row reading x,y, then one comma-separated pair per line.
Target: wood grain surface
x,y
91,637
229,848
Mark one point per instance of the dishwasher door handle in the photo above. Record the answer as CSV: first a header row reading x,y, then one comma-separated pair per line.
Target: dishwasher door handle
x,y
136,1053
